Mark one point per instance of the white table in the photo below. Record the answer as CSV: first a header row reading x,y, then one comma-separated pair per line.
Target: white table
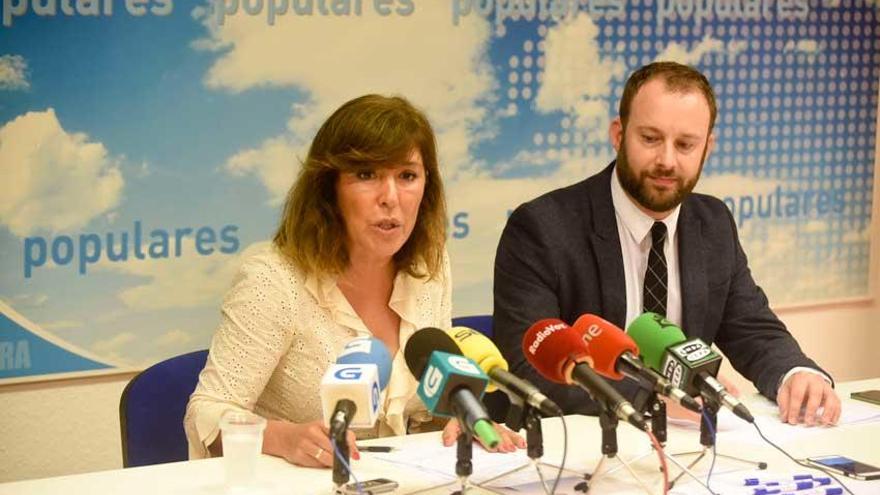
x,y
860,441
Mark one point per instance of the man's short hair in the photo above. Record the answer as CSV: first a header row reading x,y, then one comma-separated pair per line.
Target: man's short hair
x,y
678,77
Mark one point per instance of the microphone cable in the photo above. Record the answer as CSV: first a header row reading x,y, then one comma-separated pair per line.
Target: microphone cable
x,y
561,464
714,448
346,466
662,456
801,463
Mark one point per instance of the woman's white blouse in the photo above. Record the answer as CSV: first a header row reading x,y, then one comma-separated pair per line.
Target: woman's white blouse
x,y
279,333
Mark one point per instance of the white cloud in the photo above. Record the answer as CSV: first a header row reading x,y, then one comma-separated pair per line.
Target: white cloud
x,y
675,52
187,281
53,179
446,73
113,344
786,275
275,162
174,338
61,325
13,69
574,71
30,300
487,200
117,349
734,186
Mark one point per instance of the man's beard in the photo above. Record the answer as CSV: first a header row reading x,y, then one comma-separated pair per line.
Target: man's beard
x,y
638,188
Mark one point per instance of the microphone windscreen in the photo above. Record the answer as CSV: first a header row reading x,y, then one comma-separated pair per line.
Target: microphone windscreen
x,y
605,343
368,350
654,334
419,347
549,346
478,347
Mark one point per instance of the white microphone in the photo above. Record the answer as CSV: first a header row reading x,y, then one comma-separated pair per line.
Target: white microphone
x,y
351,388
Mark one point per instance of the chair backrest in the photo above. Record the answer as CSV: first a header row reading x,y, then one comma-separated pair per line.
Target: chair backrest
x,y
151,410
480,323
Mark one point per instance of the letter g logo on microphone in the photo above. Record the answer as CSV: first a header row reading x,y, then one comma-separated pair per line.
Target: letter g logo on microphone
x,y
432,380
348,373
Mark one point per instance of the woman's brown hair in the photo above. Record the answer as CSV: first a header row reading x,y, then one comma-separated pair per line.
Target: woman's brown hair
x,y
368,131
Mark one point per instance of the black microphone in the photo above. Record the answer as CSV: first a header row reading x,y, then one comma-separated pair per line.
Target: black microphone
x,y
450,384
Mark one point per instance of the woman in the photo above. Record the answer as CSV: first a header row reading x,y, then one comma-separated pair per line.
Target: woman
x,y
360,252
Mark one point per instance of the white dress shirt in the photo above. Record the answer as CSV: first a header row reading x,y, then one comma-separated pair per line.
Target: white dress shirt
x,y
634,229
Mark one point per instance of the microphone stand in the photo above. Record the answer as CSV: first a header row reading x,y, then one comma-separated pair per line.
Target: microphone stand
x,y
608,421
523,416
656,409
707,440
464,466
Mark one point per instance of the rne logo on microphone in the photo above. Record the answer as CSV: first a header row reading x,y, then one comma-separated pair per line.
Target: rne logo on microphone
x,y
462,363
432,380
591,332
348,373
543,334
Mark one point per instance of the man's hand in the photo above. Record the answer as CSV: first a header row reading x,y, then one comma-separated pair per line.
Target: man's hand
x,y
800,397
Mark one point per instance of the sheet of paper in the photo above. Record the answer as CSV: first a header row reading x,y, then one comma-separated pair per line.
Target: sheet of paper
x,y
439,462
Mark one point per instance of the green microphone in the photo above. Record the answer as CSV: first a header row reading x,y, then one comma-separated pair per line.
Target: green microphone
x,y
654,334
689,364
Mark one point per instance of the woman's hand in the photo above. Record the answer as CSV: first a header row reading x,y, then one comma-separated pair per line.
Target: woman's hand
x,y
303,444
510,441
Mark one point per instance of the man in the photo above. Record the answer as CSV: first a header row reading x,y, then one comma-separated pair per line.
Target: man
x,y
634,238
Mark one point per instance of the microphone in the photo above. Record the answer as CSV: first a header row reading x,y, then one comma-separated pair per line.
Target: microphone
x,y
561,356
449,383
483,351
350,388
689,364
615,355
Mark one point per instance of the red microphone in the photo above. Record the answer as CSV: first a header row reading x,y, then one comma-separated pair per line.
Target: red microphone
x,y
615,354
560,355
606,344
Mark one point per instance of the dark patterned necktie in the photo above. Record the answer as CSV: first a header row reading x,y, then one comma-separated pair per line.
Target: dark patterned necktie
x,y
654,299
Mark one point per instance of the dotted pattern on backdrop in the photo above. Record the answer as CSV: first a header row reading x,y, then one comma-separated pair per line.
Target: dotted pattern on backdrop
x,y
797,104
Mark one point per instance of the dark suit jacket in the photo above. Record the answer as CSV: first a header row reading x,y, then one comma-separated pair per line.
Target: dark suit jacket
x,y
560,257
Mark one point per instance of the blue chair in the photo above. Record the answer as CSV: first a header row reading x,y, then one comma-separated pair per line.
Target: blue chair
x,y
151,410
480,323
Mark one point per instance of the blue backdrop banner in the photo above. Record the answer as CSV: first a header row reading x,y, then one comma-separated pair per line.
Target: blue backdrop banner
x,y
146,146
